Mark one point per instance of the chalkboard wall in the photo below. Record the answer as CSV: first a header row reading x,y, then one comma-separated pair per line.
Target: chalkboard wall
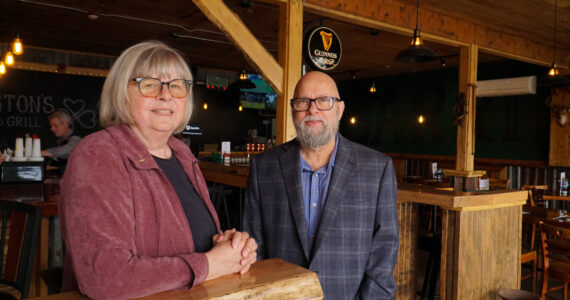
x,y
27,98
514,127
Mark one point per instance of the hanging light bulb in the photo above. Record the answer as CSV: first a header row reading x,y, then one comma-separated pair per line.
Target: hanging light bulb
x,y
9,58
240,108
372,89
205,105
17,46
353,120
421,119
2,68
243,75
553,69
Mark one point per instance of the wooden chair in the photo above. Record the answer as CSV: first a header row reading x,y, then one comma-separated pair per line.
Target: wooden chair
x,y
20,229
535,193
499,184
555,240
529,254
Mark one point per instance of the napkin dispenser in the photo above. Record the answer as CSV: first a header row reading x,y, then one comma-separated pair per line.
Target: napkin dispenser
x,y
22,171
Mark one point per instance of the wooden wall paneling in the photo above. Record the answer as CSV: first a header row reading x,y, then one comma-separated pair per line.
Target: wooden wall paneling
x,y
448,254
487,250
405,270
559,154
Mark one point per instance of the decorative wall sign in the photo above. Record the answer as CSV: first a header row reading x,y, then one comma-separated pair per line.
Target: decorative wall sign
x,y
323,48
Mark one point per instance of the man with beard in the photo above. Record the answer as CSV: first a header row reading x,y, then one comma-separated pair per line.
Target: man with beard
x,y
326,203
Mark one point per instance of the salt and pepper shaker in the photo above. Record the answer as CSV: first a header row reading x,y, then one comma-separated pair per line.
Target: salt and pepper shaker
x,y
28,148
19,151
37,148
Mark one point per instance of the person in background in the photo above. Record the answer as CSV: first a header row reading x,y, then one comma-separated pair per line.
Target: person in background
x,y
135,212
325,203
61,126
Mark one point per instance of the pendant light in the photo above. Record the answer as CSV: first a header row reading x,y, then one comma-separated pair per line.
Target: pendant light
x,y
17,46
205,105
416,52
553,69
9,58
373,33
2,68
243,82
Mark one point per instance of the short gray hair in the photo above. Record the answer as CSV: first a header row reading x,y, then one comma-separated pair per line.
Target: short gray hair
x,y
62,116
142,59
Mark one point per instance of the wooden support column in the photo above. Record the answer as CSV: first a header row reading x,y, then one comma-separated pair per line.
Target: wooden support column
x,y
464,177
290,51
466,128
230,24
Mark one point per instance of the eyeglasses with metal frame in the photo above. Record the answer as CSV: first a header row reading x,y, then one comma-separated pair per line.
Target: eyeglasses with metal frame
x,y
322,103
152,87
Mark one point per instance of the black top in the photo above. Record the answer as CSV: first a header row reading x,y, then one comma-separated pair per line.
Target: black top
x,y
199,218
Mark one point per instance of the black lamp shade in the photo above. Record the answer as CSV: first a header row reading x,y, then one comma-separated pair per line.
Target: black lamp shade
x,y
416,54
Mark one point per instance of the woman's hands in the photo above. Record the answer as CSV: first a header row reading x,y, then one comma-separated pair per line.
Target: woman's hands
x,y
233,251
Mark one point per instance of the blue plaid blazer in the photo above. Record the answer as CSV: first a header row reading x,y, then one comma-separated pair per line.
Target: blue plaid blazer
x,y
355,249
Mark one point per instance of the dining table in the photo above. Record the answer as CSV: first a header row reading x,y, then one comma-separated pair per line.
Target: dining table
x,y
549,195
266,279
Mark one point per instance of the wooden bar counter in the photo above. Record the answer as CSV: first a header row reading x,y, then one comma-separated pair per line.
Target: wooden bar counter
x,y
267,279
481,241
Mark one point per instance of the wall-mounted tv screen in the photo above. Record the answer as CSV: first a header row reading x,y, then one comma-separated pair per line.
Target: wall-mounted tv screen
x,y
260,97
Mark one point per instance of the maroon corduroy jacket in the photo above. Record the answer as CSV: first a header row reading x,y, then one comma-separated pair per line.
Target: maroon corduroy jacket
x,y
124,227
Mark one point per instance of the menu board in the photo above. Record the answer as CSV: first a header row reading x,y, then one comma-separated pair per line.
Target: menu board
x,y
27,98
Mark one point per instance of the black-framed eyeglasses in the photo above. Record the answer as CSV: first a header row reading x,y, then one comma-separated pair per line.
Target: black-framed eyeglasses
x,y
152,87
322,103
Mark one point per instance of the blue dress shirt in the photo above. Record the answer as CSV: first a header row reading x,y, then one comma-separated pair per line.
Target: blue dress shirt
x,y
315,187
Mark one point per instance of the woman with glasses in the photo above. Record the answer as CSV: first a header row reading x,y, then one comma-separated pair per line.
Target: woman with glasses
x,y
135,212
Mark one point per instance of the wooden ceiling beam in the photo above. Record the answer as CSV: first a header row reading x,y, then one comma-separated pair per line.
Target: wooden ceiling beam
x,y
397,17
236,31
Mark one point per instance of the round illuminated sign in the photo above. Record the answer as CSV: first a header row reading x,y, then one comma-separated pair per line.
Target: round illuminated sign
x,y
323,48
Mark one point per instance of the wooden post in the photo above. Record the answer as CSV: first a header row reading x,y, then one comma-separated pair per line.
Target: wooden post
x,y
290,51
464,176
466,128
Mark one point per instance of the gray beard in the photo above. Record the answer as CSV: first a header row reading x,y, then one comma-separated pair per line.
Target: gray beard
x,y
308,137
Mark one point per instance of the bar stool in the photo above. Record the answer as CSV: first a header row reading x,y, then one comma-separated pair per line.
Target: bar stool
x,y
219,197
432,244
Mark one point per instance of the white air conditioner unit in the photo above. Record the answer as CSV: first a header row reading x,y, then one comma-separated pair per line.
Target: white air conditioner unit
x,y
506,87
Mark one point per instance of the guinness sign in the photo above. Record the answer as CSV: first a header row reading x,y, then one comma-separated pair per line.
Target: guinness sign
x,y
323,48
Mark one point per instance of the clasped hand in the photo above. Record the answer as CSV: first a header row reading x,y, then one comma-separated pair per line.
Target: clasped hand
x,y
233,252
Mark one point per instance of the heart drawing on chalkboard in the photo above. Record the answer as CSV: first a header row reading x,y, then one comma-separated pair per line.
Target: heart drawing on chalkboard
x,y
77,111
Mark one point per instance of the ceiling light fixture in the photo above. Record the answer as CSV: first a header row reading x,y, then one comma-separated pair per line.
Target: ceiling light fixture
x,y
416,52
17,46
373,33
243,82
9,58
553,69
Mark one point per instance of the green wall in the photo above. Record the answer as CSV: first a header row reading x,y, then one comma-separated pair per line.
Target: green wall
x,y
514,127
